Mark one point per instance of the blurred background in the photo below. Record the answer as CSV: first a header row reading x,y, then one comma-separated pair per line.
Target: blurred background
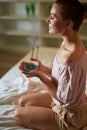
x,y
23,24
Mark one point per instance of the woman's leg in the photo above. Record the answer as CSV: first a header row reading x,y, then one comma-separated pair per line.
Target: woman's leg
x,y
35,99
36,117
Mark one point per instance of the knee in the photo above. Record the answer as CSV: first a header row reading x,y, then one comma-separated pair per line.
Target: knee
x,y
21,101
18,115
25,100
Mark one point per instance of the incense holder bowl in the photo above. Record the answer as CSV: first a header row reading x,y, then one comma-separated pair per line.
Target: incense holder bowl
x,y
30,67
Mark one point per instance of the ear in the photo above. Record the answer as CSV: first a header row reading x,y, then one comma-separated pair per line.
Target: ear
x,y
69,24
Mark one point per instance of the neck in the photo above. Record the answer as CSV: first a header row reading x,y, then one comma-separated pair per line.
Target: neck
x,y
71,38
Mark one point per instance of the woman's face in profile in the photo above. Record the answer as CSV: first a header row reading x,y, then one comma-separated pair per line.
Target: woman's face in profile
x,y
56,24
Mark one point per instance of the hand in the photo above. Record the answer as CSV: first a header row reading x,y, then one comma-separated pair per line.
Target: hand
x,y
32,73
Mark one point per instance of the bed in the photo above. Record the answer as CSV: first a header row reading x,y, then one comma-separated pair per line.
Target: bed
x,y
14,83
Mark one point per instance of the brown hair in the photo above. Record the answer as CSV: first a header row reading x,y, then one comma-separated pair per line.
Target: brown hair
x,y
73,10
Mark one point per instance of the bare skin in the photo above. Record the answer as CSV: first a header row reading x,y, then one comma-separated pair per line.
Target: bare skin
x,y
34,111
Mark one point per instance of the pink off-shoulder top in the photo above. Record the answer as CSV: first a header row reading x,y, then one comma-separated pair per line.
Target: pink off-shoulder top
x,y
70,80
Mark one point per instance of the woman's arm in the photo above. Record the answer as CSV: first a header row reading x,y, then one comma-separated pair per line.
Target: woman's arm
x,y
52,89
46,70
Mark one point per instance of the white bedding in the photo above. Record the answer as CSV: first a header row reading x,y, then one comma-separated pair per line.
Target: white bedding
x,y
14,83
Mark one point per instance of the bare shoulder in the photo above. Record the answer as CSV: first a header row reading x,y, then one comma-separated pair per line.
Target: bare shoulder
x,y
65,55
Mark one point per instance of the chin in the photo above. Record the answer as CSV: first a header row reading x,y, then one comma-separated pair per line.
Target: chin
x,y
52,32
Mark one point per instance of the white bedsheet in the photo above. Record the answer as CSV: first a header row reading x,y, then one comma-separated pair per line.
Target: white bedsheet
x,y
14,83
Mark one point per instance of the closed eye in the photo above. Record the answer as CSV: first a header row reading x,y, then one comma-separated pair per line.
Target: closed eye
x,y
51,16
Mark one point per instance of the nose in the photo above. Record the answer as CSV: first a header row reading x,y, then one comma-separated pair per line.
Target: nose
x,y
48,20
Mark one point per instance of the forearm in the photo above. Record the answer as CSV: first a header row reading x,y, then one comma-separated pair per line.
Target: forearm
x,y
52,89
49,85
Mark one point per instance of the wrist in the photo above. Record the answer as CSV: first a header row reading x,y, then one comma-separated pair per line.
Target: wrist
x,y
38,74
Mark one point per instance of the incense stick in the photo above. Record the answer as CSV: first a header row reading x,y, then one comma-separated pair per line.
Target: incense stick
x,y
32,50
37,52
32,53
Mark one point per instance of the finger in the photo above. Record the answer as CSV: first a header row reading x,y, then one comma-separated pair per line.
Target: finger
x,y
27,75
33,59
23,63
24,71
31,73
21,66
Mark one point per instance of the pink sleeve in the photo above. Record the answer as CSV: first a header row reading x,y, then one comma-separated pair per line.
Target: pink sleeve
x,y
71,84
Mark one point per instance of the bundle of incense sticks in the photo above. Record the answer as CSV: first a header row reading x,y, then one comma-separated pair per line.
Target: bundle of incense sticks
x,y
37,52
32,54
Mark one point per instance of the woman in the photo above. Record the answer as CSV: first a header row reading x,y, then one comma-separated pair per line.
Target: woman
x,y
67,78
